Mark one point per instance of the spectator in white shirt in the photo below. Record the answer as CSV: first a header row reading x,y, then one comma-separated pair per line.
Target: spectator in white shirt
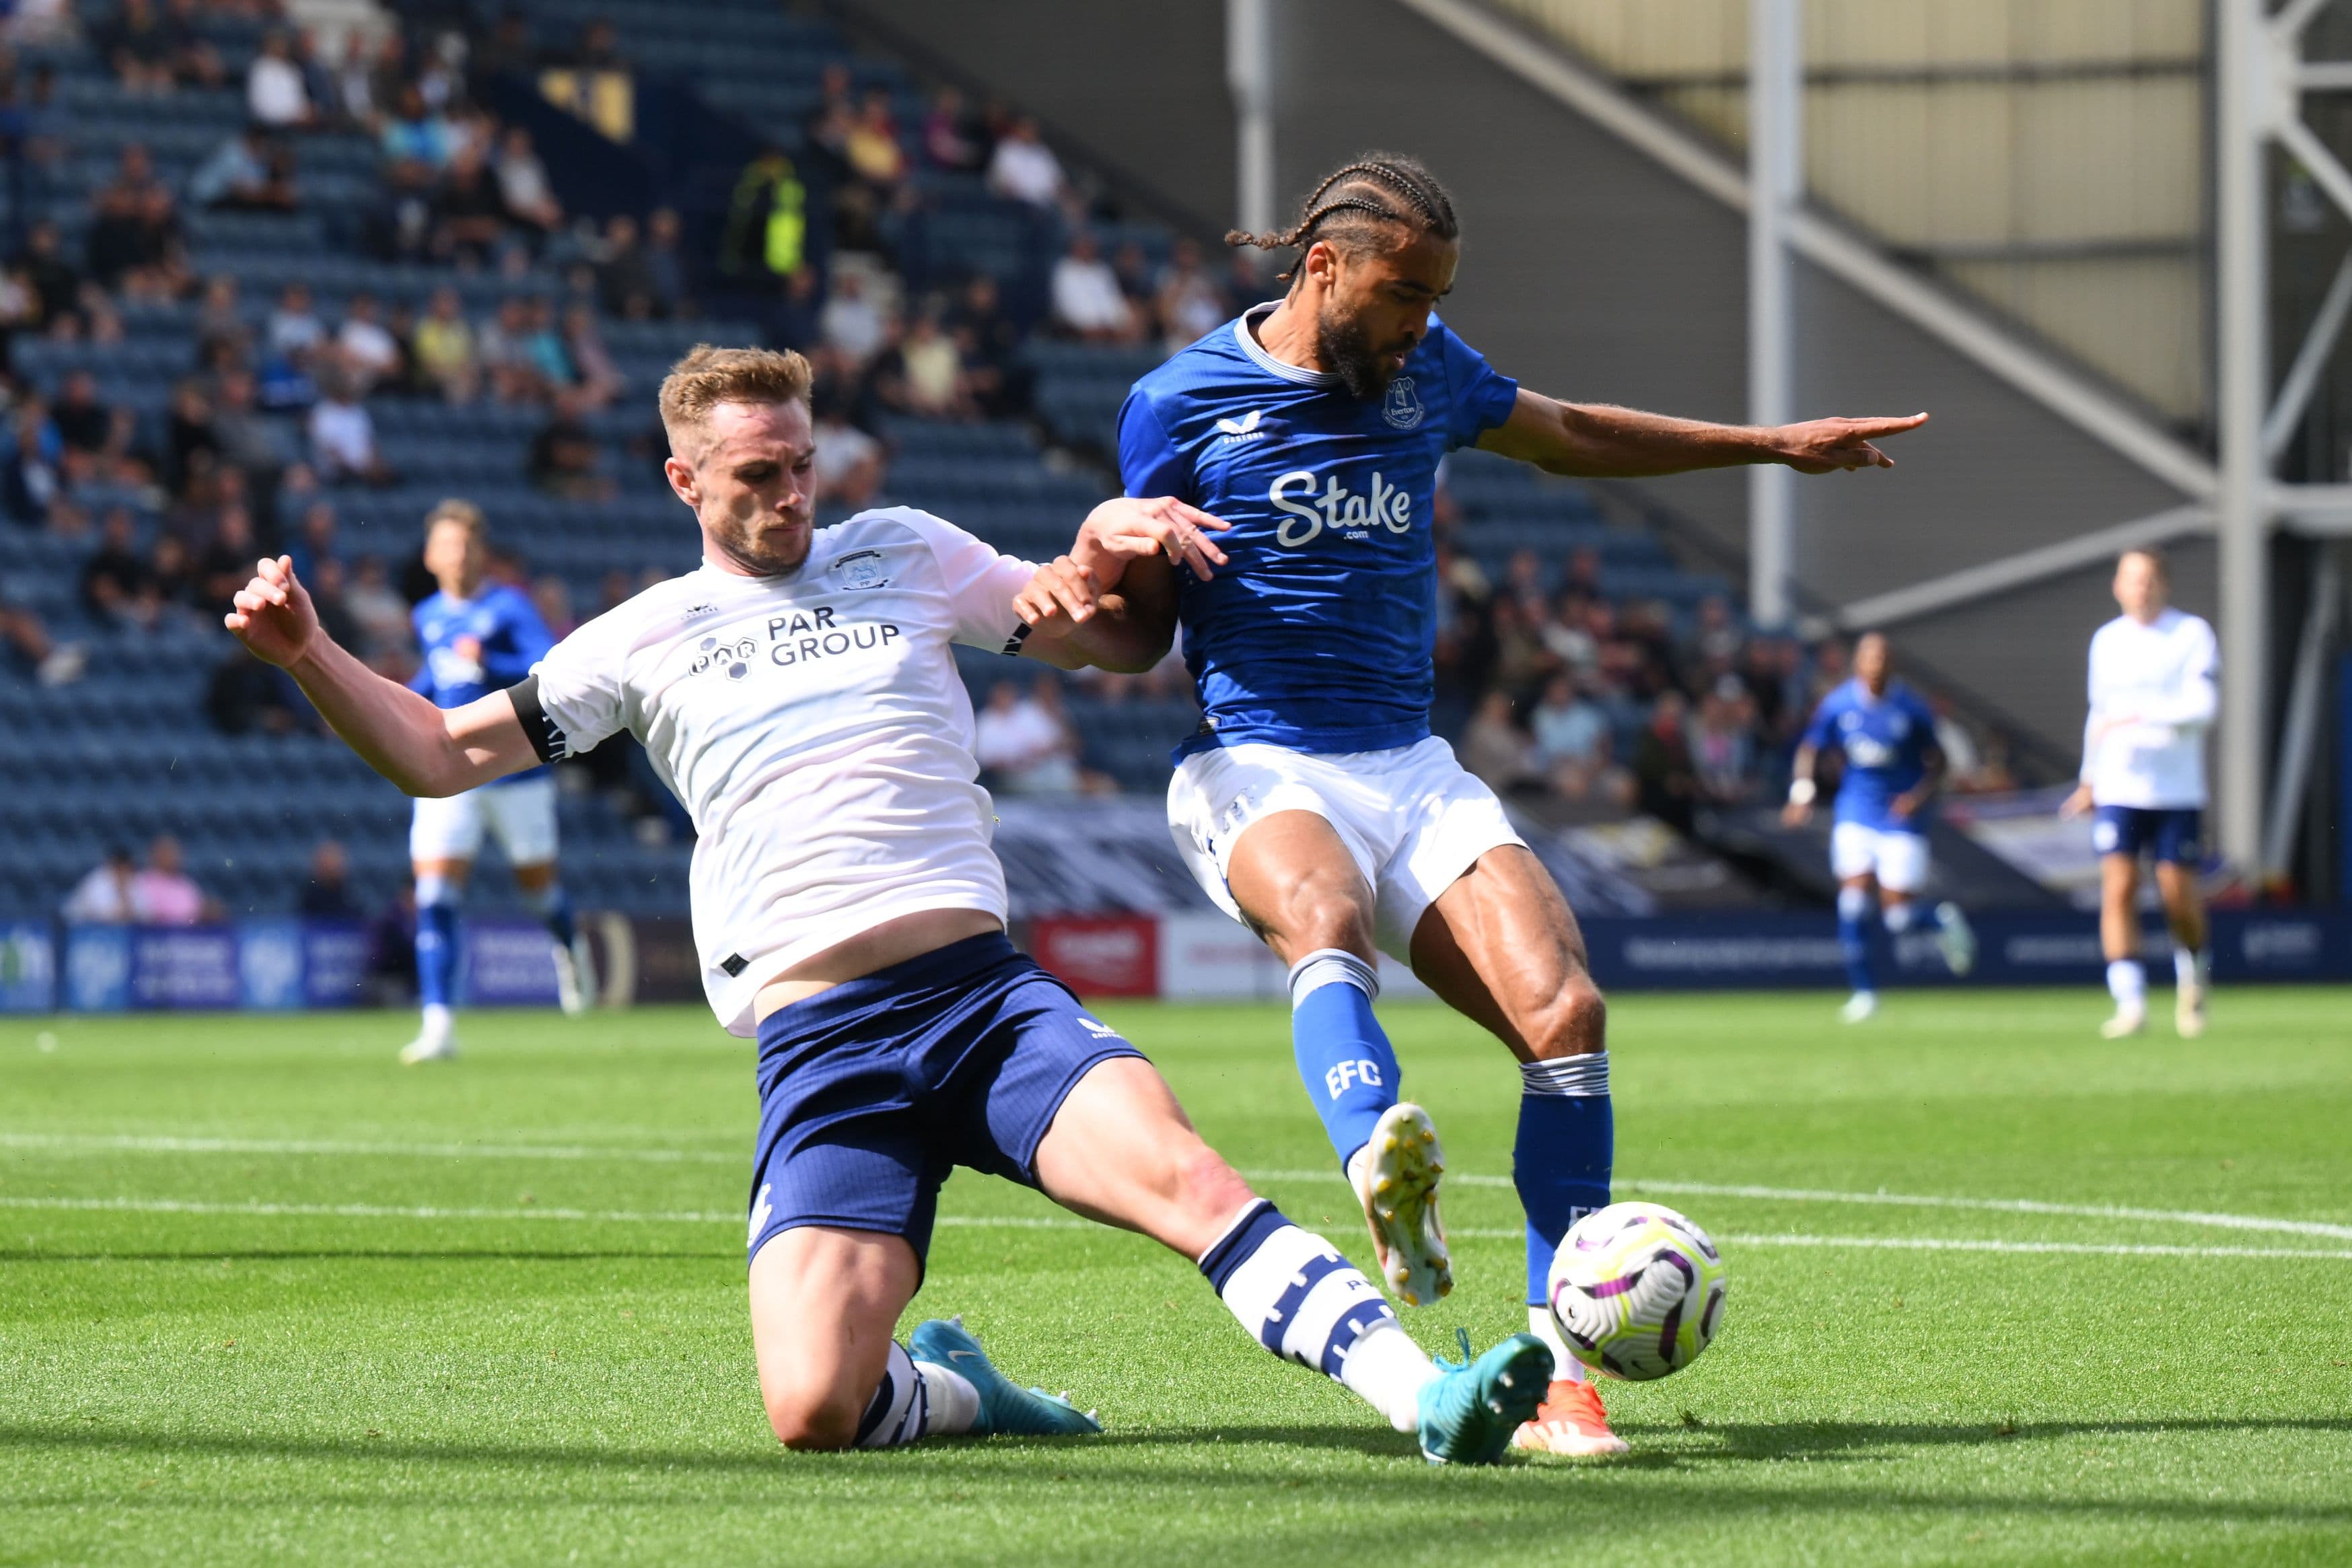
x,y
103,897
367,346
1023,168
850,322
273,91
342,433
1087,299
848,461
524,184
1023,744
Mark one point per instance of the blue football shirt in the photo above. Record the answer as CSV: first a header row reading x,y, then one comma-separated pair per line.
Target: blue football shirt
x,y
1884,741
1318,634
474,646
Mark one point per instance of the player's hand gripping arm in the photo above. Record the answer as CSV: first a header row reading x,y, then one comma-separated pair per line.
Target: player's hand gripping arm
x,y
423,749
1599,441
1111,600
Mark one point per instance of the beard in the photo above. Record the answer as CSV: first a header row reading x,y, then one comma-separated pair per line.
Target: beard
x,y
765,551
1348,352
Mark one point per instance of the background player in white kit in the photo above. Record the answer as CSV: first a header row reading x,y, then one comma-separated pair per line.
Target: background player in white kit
x,y
799,693
2153,697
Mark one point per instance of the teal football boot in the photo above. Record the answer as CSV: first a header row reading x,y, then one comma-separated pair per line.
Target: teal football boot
x,y
1006,1409
1468,1412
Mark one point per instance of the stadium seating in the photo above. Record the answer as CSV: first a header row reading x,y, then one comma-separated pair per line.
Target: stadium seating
x,y
129,750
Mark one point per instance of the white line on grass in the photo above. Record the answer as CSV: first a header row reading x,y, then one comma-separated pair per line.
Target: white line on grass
x,y
1027,1222
1903,1200
170,1145
161,1145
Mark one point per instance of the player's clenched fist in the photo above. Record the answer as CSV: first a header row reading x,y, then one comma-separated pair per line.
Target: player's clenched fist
x,y
273,615
1061,587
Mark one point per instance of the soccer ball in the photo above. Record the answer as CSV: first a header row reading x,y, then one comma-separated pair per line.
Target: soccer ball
x,y
1637,1291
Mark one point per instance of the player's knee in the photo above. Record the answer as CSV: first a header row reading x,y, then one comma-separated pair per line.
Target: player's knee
x,y
813,1418
1575,1024
1320,921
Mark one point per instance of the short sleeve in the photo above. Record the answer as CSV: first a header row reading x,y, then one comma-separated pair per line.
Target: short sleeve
x,y
981,584
1817,732
1148,462
1477,397
573,698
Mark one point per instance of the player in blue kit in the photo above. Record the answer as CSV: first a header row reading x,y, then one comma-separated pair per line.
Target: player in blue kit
x,y
1886,734
477,638
1314,803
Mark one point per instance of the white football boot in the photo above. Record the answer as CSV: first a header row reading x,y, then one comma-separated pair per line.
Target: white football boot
x,y
1395,1177
575,976
2188,1011
436,1042
2131,1018
1955,938
1859,1007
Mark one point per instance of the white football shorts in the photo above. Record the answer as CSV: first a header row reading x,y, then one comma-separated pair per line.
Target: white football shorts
x,y
519,815
1900,861
1413,819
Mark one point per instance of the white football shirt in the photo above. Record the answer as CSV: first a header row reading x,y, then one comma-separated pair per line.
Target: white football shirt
x,y
2161,677
814,728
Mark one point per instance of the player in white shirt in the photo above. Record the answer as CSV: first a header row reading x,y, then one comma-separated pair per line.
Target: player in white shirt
x,y
799,693
2153,697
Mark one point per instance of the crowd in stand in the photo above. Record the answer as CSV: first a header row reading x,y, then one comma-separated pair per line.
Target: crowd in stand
x,y
1553,689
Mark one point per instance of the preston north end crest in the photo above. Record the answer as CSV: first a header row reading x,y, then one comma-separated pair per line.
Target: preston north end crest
x,y
861,569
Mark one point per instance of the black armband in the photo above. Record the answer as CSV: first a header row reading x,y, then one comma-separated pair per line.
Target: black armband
x,y
1020,635
547,737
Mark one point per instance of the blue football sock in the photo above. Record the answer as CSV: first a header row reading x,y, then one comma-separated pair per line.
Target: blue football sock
x,y
437,942
1854,936
1561,1161
1344,1058
554,907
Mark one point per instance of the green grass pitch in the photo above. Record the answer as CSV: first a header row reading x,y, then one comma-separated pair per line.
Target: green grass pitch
x,y
267,1297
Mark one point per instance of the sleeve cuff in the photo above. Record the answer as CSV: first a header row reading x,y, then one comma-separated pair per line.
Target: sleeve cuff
x,y
547,737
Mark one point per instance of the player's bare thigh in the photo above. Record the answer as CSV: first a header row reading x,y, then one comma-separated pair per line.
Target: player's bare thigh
x,y
1122,1150
2183,906
824,1302
1293,879
453,872
1501,947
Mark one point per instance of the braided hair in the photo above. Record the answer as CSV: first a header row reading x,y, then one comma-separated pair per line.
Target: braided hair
x,y
1362,204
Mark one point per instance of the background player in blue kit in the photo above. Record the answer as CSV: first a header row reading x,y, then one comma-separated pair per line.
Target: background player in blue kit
x,y
1315,803
477,638
1886,734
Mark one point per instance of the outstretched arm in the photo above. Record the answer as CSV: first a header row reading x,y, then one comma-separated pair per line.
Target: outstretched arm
x,y
423,749
1111,600
1600,441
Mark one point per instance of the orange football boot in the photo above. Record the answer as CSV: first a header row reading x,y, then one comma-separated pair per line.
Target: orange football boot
x,y
1570,1421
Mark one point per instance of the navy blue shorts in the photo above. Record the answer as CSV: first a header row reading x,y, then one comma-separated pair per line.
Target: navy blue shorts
x,y
871,1091
2172,833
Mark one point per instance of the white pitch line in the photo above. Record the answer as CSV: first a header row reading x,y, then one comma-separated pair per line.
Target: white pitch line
x,y
171,1145
1906,1200
163,1145
1027,1221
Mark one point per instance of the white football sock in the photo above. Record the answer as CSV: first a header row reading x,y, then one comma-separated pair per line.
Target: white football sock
x,y
2192,966
2127,983
1386,1370
1299,1297
1898,916
899,1412
955,1403
1565,1367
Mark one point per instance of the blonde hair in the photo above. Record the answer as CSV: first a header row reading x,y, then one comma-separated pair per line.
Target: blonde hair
x,y
464,513
709,376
